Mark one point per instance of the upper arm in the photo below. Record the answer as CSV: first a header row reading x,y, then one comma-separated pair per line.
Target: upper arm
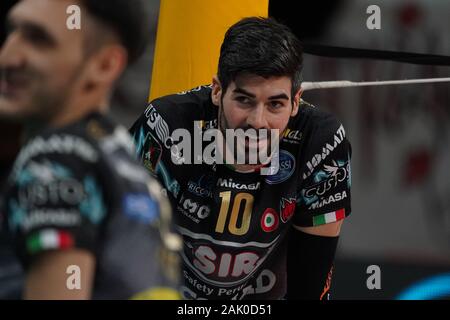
x,y
323,197
56,202
61,275
151,133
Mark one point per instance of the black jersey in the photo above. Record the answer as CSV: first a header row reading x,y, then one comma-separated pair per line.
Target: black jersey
x,y
234,224
80,186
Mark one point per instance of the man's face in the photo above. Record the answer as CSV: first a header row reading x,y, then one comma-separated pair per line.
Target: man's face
x,y
255,102
39,60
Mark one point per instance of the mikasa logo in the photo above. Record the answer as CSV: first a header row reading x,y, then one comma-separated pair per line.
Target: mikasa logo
x,y
228,183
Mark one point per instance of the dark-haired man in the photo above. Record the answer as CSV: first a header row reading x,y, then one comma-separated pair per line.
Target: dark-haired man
x,y
85,218
251,230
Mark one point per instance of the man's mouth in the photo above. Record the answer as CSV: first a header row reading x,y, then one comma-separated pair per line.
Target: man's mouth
x,y
11,87
256,142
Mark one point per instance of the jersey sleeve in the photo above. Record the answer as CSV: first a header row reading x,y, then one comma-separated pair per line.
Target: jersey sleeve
x,y
55,202
152,135
324,194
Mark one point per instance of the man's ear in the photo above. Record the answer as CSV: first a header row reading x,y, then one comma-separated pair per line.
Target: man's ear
x,y
296,102
216,93
107,65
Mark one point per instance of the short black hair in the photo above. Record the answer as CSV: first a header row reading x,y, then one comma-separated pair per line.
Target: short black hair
x,y
126,18
260,46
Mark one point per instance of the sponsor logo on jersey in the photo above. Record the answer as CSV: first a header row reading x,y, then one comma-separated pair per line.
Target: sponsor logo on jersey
x,y
326,180
326,150
48,183
222,263
229,183
61,218
265,282
286,168
327,200
198,286
203,187
329,178
159,125
206,125
140,207
193,210
269,220
292,136
287,209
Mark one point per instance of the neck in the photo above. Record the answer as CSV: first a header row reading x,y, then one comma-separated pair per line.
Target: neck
x,y
68,114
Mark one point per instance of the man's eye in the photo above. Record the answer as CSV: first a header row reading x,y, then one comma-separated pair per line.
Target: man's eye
x,y
37,37
244,100
276,104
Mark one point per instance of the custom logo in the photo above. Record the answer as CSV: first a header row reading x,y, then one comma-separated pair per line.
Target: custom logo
x,y
286,168
326,180
269,220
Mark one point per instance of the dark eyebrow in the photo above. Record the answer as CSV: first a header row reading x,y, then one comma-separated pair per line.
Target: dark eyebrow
x,y
279,96
242,91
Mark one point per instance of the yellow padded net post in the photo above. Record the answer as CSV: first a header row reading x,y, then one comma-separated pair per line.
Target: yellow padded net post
x,y
188,40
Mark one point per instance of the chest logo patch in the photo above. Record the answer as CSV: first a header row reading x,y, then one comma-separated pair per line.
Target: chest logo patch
x,y
287,168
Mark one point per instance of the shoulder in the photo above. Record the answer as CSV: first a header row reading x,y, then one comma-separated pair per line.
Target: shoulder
x,y
86,150
322,135
177,111
316,122
191,105
316,127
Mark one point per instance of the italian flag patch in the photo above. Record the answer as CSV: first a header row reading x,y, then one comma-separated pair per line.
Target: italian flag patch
x,y
329,217
49,239
269,220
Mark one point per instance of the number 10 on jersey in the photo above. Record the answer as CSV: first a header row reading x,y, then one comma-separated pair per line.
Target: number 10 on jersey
x,y
241,199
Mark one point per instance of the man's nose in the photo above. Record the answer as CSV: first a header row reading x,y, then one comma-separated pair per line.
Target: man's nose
x,y
11,53
257,117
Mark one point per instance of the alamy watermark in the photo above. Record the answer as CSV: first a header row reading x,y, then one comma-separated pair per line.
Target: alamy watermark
x,y
237,147
73,21
374,280
73,281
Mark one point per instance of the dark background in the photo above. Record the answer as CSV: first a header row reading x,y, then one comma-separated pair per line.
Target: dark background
x,y
401,218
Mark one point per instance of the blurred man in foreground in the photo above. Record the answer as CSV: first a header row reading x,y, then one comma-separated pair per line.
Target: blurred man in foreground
x,y
85,219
